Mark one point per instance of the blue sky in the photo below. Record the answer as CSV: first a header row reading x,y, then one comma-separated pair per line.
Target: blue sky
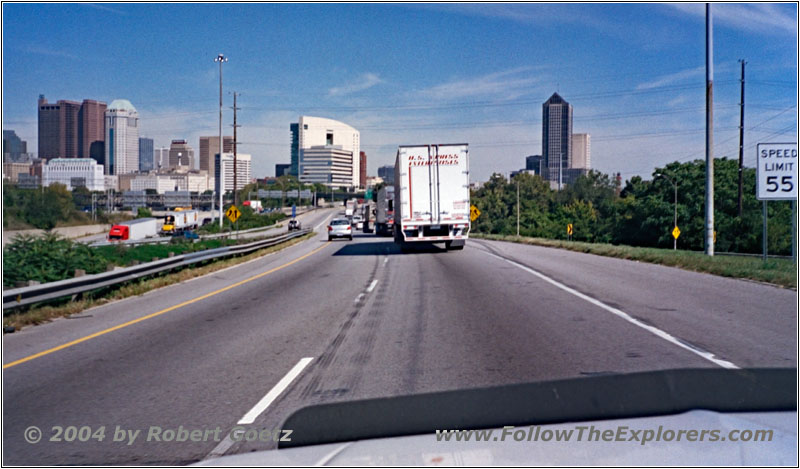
x,y
422,73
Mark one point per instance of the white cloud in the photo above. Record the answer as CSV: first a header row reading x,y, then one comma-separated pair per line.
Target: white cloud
x,y
366,81
765,18
508,84
104,7
50,52
672,78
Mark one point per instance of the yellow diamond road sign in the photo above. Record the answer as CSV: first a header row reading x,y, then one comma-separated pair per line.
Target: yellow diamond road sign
x,y
474,213
233,213
676,232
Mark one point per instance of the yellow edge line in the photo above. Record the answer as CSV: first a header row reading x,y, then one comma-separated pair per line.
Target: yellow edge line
x,y
158,313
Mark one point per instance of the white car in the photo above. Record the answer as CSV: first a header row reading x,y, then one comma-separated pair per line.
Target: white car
x,y
340,228
358,222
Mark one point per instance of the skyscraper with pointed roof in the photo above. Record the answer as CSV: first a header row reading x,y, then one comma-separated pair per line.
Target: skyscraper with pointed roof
x,y
556,137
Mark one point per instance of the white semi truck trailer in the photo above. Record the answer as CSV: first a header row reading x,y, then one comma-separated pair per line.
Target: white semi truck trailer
x,y
432,194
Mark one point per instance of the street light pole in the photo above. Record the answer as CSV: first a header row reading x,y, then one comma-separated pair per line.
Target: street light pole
x,y
221,59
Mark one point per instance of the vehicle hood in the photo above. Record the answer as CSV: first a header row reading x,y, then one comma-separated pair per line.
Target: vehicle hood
x,y
425,450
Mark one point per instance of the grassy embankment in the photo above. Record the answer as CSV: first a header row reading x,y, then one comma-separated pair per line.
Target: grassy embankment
x,y
781,272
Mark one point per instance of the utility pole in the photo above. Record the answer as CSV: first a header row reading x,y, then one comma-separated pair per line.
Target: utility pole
x,y
709,228
221,183
235,143
560,168
741,139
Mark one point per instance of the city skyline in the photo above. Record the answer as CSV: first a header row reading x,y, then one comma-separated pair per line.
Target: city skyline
x,y
640,94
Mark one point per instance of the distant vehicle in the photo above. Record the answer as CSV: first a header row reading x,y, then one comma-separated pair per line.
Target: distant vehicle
x,y
431,194
190,235
206,221
179,221
358,221
351,208
340,228
366,214
294,224
254,204
384,211
140,228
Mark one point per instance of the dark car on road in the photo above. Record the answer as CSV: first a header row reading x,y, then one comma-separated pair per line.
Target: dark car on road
x,y
294,225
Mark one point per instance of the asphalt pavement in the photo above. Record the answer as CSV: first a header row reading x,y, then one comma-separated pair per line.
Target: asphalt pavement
x,y
325,321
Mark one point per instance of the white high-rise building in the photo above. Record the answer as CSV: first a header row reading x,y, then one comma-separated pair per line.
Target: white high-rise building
x,y
74,172
242,171
322,132
122,138
581,151
330,165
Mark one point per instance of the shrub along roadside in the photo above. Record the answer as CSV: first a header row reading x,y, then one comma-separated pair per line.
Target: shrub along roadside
x,y
40,314
775,271
50,257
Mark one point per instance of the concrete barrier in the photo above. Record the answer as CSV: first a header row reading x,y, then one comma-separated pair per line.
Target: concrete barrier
x,y
67,232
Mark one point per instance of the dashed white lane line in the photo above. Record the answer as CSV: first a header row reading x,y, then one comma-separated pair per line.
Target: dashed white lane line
x,y
372,285
323,222
273,393
385,260
653,330
359,298
262,405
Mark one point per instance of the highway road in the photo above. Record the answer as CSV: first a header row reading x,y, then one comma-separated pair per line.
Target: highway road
x,y
324,321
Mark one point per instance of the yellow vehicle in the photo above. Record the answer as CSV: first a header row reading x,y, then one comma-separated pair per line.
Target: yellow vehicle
x,y
179,221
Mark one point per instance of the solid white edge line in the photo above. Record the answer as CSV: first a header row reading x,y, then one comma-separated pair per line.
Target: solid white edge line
x,y
653,330
273,393
372,285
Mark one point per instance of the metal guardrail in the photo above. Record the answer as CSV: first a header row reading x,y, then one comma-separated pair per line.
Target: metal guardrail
x,y
63,288
167,239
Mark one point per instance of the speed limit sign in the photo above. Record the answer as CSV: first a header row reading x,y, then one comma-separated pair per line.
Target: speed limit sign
x,y
776,171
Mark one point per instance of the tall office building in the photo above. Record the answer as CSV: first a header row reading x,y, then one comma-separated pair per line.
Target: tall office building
x,y
581,151
160,158
386,173
146,154
181,154
91,129
556,137
122,138
68,129
330,165
58,128
242,171
534,163
362,166
294,129
282,169
209,146
318,131
14,148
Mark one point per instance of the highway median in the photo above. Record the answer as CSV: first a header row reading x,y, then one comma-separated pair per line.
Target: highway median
x,y
776,271
16,318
